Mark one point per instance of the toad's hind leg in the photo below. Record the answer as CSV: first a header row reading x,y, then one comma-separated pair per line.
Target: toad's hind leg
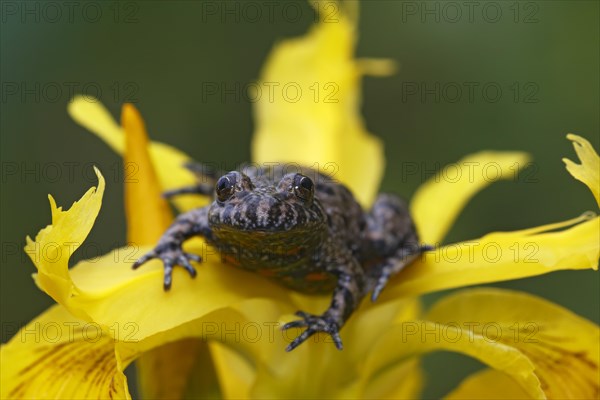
x,y
391,236
206,177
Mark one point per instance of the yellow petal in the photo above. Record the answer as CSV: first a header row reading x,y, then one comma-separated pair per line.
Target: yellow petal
x,y
545,349
57,356
307,110
438,202
589,169
501,256
253,364
92,115
107,287
563,347
317,370
405,380
236,373
178,370
489,384
417,337
148,214
168,161
103,289
54,245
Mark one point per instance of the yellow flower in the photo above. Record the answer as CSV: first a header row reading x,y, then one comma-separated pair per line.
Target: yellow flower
x,y
217,335
589,169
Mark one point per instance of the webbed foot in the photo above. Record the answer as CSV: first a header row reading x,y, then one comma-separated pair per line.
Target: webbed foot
x,y
313,324
171,255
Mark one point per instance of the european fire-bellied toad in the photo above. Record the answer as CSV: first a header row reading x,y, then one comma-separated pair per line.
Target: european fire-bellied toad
x,y
303,229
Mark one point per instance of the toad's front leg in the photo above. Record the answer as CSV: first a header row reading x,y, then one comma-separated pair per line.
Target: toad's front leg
x,y
168,249
347,295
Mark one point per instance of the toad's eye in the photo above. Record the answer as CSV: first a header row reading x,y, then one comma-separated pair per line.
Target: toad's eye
x,y
304,188
225,187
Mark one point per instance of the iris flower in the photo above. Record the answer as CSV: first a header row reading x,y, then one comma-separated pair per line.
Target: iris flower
x,y
218,335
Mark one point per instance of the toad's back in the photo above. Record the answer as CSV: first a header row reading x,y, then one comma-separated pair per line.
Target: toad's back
x,y
302,229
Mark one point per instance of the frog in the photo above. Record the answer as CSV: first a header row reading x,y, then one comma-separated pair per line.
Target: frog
x,y
301,228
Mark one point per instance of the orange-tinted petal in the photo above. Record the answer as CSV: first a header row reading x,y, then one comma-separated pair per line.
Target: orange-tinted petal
x,y
148,214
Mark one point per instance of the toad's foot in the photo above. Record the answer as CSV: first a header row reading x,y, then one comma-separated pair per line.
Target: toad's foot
x,y
313,324
171,255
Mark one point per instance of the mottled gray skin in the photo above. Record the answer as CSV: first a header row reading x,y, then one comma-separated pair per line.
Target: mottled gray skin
x,y
304,230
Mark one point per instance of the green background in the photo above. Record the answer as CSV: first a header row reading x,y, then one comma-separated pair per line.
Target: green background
x,y
162,54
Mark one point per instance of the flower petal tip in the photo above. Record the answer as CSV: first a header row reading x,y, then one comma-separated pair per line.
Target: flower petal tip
x,y
101,181
130,116
588,171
